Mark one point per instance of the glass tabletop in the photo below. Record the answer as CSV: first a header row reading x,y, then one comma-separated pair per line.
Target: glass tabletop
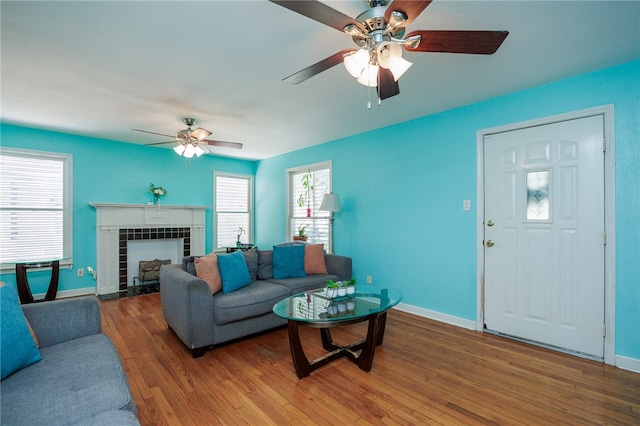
x,y
314,305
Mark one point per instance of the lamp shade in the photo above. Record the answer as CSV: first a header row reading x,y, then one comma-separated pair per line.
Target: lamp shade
x,y
400,67
330,203
356,62
369,76
389,53
179,149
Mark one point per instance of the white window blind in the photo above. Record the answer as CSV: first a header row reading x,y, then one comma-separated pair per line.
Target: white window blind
x,y
233,209
308,214
35,218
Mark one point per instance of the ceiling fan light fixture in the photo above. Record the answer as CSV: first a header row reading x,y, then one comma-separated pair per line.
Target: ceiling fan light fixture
x,y
389,53
189,151
179,149
399,68
356,62
198,150
369,76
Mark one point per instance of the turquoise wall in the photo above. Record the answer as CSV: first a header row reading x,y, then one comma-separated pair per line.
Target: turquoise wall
x,y
401,190
111,172
402,187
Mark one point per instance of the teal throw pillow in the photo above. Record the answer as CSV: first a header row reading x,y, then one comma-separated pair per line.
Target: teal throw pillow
x,y
233,271
18,349
288,261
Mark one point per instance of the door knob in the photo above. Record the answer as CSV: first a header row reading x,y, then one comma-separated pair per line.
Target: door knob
x,y
490,223
490,243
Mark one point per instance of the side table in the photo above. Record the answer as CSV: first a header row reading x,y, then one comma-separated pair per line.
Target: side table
x,y
23,283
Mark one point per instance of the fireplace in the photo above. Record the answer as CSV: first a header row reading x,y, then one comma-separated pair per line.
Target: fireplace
x,y
119,225
147,237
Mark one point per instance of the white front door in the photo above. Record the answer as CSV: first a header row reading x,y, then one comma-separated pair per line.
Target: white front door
x,y
544,234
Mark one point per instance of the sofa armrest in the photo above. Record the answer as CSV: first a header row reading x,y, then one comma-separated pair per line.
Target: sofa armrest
x,y
62,320
187,306
338,265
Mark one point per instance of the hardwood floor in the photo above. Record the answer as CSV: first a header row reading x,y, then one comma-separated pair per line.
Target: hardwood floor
x,y
425,373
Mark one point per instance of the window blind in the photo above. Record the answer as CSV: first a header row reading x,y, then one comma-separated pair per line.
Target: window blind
x,y
233,209
31,207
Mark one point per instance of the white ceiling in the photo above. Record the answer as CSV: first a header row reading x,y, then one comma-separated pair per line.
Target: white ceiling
x,y
101,69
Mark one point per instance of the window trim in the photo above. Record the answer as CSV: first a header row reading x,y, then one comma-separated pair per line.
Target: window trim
x,y
250,231
67,199
328,164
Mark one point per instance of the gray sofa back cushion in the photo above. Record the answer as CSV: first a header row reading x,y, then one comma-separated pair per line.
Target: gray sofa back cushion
x,y
265,264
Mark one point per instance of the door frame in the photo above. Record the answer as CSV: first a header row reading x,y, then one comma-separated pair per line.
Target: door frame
x,y
607,111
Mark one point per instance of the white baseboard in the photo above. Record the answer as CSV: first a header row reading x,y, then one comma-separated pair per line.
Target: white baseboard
x,y
68,293
626,363
438,316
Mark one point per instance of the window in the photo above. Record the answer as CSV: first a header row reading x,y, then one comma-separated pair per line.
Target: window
x,y
35,206
303,205
233,209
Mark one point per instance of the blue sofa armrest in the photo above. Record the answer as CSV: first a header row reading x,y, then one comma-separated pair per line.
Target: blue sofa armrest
x,y
62,320
187,306
338,265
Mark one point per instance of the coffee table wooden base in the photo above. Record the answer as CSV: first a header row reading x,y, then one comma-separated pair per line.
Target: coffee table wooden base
x,y
367,347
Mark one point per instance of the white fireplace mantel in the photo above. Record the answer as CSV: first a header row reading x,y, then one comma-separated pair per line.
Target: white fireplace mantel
x,y
111,218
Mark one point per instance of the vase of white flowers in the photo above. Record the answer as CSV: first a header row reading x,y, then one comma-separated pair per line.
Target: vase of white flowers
x,y
157,192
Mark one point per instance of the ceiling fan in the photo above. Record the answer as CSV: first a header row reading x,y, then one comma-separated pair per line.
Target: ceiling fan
x,y
190,142
379,34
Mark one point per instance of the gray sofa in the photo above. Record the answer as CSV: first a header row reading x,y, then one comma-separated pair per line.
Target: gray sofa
x,y
201,320
78,381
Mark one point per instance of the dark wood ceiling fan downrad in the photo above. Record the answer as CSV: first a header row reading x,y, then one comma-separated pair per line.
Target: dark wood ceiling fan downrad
x,y
379,34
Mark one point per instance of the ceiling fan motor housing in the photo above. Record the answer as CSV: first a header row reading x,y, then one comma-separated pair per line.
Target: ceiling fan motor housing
x,y
376,28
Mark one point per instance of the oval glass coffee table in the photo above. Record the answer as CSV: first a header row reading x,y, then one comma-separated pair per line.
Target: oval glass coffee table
x,y
314,309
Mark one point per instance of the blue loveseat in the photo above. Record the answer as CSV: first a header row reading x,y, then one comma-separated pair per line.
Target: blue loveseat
x,y
78,381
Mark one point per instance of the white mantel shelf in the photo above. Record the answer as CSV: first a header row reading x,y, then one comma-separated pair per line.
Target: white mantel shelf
x,y
111,217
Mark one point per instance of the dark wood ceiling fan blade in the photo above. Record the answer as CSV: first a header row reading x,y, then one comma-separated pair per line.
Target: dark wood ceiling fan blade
x,y
317,68
159,143
319,12
387,85
410,8
473,42
153,133
234,145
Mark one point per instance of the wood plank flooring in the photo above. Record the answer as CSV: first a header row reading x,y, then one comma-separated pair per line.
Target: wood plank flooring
x,y
425,373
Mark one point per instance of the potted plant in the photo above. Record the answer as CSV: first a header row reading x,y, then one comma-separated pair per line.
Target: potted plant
x,y
332,289
342,289
350,285
308,187
239,233
301,233
157,192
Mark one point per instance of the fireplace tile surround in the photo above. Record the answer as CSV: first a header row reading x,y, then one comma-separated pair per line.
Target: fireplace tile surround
x,y
137,234
116,224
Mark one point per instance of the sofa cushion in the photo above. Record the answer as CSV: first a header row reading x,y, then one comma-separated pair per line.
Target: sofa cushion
x,y
75,380
265,264
288,261
207,269
251,257
188,264
314,259
255,299
310,282
18,349
233,271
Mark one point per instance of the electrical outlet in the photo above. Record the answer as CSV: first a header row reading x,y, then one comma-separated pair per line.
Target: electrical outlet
x,y
466,205
80,272
368,279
